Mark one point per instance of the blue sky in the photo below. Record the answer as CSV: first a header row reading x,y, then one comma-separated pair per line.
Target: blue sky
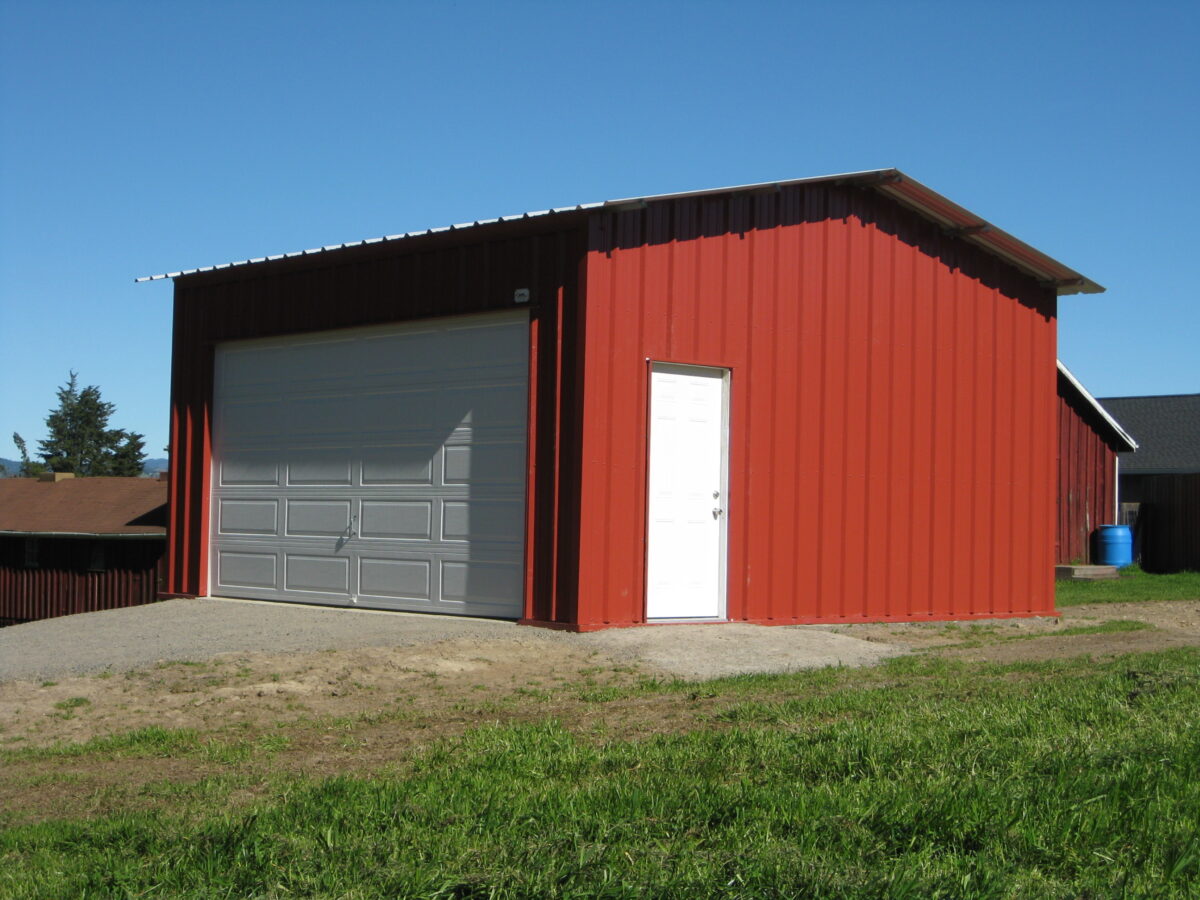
x,y
138,138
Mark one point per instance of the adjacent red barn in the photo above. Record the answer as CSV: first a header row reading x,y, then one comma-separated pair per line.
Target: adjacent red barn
x,y
1089,439
822,400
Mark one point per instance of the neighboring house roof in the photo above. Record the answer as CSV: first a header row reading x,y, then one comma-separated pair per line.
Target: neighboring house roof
x,y
1167,429
1114,433
890,182
124,507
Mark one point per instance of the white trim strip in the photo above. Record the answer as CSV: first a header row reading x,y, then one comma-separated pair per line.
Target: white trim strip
x,y
1121,432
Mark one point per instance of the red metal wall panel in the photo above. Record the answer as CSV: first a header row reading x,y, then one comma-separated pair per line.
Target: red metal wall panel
x,y
379,284
63,581
1086,467
893,425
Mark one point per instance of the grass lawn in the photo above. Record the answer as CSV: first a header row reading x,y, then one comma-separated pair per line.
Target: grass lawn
x,y
919,778
1134,586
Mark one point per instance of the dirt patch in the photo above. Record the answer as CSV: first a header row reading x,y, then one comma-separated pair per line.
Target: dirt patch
x,y
252,689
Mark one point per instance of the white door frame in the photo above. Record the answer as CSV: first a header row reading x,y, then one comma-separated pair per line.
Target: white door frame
x,y
721,503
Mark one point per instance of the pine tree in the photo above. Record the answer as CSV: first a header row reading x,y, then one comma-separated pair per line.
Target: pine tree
x,y
80,440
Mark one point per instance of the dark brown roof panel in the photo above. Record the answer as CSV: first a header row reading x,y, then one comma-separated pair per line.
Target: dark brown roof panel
x,y
111,506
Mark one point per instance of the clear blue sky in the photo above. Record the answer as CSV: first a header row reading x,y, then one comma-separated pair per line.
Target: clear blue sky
x,y
140,138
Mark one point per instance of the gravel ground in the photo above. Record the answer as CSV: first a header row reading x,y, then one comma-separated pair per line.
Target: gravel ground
x,y
123,639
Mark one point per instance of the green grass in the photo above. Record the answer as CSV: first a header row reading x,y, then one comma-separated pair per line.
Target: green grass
x,y
921,778
1134,586
157,742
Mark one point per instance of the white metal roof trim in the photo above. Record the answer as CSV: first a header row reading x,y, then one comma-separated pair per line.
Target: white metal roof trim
x,y
1121,432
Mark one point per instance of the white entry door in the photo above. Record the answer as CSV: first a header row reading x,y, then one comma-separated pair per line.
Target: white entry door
x,y
689,424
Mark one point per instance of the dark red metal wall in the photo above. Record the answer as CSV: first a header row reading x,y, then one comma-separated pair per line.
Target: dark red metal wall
x,y
1168,521
63,583
893,424
1086,476
378,284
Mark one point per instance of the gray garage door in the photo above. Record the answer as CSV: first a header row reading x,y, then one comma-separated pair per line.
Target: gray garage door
x,y
380,467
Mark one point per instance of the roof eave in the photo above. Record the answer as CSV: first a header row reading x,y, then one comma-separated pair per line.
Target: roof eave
x,y
891,182
1120,432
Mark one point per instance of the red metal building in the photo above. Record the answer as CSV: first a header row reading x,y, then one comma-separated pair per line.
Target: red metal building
x,y
821,400
1089,439
73,545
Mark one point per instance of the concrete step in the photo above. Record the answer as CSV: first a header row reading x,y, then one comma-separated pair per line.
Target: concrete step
x,y
1085,573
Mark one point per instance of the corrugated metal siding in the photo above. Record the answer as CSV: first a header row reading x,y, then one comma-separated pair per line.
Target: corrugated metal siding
x,y
62,583
1085,477
379,284
893,407
1169,520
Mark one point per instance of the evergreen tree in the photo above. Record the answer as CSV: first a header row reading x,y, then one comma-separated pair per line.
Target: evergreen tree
x,y
80,440
128,457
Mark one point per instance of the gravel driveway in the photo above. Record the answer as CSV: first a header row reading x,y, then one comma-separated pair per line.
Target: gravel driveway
x,y
123,639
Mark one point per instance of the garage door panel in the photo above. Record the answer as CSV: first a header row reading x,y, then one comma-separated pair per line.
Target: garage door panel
x,y
250,419
500,345
399,465
318,518
319,466
481,582
396,520
410,410
490,406
485,463
326,415
482,520
247,570
248,516
413,354
356,469
248,468
317,574
395,579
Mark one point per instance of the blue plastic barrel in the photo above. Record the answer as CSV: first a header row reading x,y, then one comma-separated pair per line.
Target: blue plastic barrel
x,y
1114,545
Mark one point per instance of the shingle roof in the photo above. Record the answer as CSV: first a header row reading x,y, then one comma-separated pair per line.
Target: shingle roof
x,y
1167,429
83,506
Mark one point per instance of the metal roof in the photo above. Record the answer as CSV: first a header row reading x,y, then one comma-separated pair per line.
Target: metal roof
x,y
891,182
1121,433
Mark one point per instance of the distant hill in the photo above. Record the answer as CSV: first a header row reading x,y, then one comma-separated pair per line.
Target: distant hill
x,y
10,467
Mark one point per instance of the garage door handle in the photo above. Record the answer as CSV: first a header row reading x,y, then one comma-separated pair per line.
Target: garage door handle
x,y
353,526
